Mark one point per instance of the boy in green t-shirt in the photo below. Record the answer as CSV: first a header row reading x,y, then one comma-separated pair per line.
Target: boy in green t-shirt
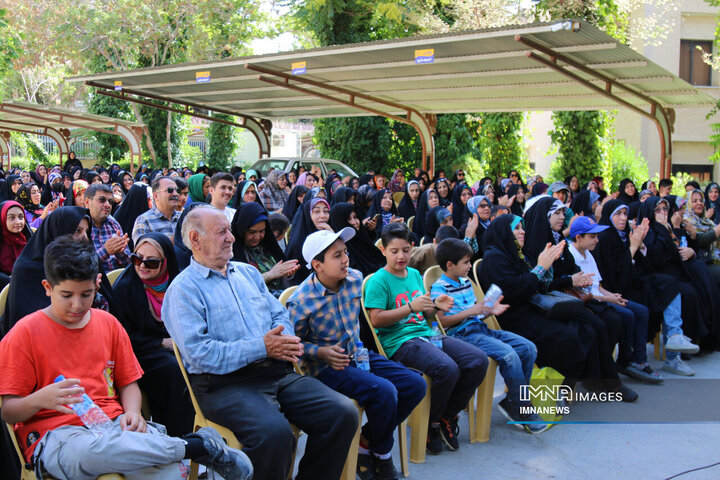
x,y
396,300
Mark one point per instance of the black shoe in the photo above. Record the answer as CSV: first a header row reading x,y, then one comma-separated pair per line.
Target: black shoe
x,y
628,395
511,412
449,430
434,440
385,469
365,467
229,463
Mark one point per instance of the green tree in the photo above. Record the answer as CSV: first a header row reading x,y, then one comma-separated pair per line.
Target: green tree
x,y
499,136
222,143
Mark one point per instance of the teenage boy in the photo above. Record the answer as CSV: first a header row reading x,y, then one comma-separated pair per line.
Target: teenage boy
x,y
632,355
665,187
91,348
325,309
515,354
222,185
397,305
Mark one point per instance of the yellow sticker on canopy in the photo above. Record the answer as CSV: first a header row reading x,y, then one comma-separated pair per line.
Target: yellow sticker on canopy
x,y
118,85
202,77
299,68
425,56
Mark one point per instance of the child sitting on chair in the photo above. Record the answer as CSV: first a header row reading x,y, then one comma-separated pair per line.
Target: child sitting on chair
x,y
91,349
515,354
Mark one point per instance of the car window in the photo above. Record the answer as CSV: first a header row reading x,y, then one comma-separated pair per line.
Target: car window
x,y
309,166
339,168
263,167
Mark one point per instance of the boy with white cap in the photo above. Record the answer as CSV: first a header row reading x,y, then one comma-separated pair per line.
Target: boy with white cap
x,y
325,309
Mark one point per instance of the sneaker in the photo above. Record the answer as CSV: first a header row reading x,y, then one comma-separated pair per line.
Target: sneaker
x,y
511,412
535,423
678,367
434,440
229,463
385,469
681,343
449,430
640,371
628,395
365,467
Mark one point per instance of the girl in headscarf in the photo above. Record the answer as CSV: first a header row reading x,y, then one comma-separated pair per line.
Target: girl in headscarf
x,y
273,196
92,177
198,188
9,187
40,174
247,192
294,201
439,173
136,203
14,235
29,197
668,257
442,186
27,294
76,194
409,203
397,181
573,184
460,196
584,203
437,217
383,210
428,200
75,173
518,191
253,176
363,254
255,244
367,179
625,268
457,178
314,215
702,233
364,199
650,185
627,192
125,180
712,202
139,294
343,195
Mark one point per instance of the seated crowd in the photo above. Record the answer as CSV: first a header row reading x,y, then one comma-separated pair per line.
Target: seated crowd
x,y
205,257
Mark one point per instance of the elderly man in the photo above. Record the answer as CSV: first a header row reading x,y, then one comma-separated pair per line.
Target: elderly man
x,y
163,217
110,243
238,346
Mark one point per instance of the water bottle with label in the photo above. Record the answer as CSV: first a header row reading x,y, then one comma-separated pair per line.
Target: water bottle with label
x,y
91,415
683,241
362,358
492,295
436,339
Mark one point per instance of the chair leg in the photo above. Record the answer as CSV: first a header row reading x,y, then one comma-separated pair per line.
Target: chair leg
x,y
483,416
419,430
471,417
402,447
349,470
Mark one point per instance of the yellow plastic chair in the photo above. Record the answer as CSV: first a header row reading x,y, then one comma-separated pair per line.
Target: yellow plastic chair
x,y
28,474
287,234
422,410
378,243
422,241
3,298
480,406
201,421
113,275
397,196
657,344
411,222
473,271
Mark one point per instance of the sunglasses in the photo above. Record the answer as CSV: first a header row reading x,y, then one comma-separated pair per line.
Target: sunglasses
x,y
662,209
171,190
102,200
151,263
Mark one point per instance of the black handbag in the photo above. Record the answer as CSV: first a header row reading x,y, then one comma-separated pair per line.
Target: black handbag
x,y
558,305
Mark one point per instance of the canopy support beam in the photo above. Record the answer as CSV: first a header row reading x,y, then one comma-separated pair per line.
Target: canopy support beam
x,y
61,136
261,129
424,125
5,150
657,113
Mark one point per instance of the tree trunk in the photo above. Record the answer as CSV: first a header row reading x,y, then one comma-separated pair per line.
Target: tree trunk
x,y
167,138
148,143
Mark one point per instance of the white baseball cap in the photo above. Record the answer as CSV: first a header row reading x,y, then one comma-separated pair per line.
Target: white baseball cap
x,y
317,242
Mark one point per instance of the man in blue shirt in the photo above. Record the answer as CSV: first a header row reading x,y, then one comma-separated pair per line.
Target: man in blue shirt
x,y
237,343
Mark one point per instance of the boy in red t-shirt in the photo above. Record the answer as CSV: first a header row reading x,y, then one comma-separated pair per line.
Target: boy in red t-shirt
x,y
93,351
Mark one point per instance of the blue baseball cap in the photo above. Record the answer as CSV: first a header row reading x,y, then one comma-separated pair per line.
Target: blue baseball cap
x,y
582,225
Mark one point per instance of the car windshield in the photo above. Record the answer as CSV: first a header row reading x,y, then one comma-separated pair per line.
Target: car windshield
x,y
263,167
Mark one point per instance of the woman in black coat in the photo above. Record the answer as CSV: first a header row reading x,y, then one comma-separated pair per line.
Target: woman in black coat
x,y
362,252
139,294
134,205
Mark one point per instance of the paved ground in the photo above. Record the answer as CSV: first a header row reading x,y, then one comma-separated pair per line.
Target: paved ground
x,y
601,451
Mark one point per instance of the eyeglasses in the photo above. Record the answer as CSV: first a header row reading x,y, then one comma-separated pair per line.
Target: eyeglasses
x,y
171,190
514,175
483,205
102,200
662,209
151,263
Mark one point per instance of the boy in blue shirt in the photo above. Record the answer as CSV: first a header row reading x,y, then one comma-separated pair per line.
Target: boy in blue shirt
x,y
325,309
515,354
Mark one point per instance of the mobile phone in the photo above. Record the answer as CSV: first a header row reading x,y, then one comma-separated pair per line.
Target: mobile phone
x,y
377,217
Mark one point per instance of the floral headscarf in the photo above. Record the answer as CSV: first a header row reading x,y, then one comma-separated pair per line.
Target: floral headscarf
x,y
701,223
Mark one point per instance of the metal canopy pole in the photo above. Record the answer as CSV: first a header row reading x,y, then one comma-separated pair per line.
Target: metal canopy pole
x,y
5,150
261,129
657,113
423,125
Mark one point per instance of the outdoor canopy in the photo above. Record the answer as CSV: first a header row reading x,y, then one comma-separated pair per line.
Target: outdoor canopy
x,y
561,65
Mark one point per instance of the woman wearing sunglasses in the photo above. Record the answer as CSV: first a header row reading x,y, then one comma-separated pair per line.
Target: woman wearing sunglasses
x,y
139,292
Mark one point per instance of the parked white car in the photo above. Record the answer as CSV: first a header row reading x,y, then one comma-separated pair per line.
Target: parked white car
x,y
264,165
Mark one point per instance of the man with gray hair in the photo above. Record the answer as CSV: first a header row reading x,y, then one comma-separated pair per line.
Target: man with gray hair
x,y
238,347
162,217
110,243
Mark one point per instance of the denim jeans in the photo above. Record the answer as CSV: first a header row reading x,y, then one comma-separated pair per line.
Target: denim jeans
x,y
672,324
388,392
631,347
515,354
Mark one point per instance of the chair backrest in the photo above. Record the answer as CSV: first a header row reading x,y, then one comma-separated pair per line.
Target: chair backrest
x,y
113,276
286,294
473,272
411,222
367,317
195,404
397,196
11,431
491,321
378,243
431,276
3,299
287,234
422,241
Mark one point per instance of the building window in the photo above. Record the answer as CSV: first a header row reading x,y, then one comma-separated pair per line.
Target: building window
x,y
701,173
692,68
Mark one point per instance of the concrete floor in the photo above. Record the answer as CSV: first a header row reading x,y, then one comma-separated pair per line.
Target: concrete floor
x,y
603,451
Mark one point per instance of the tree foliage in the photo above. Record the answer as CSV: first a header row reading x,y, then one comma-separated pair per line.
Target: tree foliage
x,y
501,143
578,137
221,142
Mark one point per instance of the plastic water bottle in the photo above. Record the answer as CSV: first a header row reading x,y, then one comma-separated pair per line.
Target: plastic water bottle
x,y
492,295
362,358
436,339
91,415
683,241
